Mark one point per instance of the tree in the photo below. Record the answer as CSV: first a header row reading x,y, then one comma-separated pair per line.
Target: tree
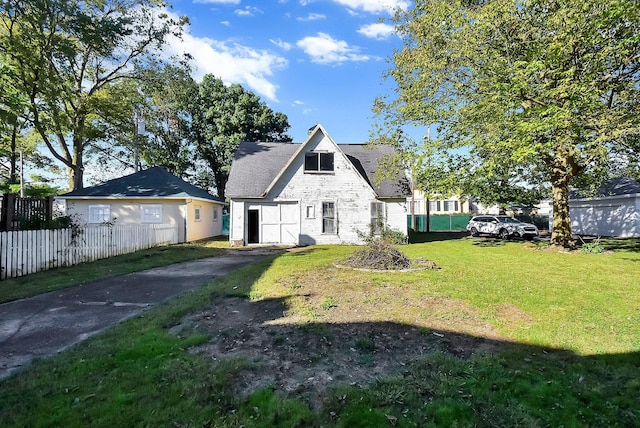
x,y
223,116
68,57
550,87
167,120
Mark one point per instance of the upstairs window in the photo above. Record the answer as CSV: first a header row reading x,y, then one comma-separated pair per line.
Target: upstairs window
x,y
318,162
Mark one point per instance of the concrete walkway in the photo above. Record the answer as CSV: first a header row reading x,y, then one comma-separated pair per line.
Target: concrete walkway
x,y
44,325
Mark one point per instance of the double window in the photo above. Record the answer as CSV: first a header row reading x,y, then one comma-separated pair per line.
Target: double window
x,y
328,217
99,213
318,162
151,213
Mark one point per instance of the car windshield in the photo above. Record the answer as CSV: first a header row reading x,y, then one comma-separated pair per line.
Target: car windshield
x,y
507,220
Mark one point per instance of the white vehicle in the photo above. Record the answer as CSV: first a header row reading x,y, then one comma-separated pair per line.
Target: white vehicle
x,y
501,226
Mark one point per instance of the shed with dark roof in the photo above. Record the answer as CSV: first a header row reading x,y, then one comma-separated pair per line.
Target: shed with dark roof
x,y
147,197
311,193
614,210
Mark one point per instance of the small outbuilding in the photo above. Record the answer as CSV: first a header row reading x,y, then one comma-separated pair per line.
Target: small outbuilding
x,y
317,192
146,197
614,210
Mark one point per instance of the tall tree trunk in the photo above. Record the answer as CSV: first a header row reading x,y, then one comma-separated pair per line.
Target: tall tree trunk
x,y
561,235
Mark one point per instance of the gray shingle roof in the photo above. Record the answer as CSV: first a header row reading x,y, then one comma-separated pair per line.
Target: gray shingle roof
x,y
614,187
154,182
256,165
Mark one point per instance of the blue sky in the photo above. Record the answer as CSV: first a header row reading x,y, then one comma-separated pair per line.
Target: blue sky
x,y
317,61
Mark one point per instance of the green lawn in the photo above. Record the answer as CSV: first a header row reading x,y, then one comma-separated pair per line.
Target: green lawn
x,y
515,335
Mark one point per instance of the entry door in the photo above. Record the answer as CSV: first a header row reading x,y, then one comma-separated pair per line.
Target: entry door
x,y
253,227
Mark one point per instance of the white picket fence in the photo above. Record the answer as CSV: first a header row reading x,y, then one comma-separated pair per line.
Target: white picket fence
x,y
29,251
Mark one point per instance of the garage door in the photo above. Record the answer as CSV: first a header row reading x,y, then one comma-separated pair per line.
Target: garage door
x,y
280,223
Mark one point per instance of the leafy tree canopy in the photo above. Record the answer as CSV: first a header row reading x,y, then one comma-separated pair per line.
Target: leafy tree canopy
x,y
223,116
68,58
535,91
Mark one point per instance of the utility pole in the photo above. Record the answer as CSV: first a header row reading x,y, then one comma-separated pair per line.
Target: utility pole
x,y
140,130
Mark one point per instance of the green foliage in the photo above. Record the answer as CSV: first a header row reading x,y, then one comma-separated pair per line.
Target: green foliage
x,y
529,92
223,116
328,303
592,247
69,59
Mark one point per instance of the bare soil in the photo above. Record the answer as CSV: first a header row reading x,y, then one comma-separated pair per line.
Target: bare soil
x,y
304,360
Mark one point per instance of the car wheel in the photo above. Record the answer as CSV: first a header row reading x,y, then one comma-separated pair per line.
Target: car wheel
x,y
474,231
503,234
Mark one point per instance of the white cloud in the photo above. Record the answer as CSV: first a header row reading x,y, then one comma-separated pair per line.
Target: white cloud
x,y
297,103
375,6
231,62
247,11
281,44
324,49
225,23
312,17
378,31
217,1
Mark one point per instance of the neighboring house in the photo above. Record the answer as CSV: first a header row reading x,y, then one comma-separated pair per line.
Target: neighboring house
x,y
317,192
613,211
438,204
150,196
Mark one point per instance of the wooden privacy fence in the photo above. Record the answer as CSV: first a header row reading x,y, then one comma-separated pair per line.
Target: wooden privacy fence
x,y
19,213
29,251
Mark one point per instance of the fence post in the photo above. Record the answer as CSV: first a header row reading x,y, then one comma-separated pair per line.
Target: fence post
x,y
8,206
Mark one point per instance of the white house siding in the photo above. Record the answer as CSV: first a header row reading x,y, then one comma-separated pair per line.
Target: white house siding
x,y
344,187
617,216
396,210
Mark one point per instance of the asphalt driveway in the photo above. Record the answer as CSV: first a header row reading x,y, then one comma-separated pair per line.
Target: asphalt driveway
x,y
44,325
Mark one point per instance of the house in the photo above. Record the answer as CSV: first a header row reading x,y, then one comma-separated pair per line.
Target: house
x,y
150,196
439,205
317,192
614,210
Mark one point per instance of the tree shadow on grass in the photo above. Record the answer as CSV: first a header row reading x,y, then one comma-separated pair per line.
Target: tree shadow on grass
x,y
424,237
257,366
380,369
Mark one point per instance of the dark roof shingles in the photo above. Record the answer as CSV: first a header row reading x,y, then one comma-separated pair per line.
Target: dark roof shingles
x,y
150,183
256,165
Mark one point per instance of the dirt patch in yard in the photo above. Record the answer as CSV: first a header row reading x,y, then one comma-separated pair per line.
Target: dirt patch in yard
x,y
304,359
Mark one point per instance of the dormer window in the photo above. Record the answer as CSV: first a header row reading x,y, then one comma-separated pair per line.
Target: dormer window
x,y
318,162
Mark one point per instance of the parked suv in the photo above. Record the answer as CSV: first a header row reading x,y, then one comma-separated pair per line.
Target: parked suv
x,y
501,226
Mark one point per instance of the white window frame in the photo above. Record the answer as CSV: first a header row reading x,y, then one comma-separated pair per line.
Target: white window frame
x,y
311,211
197,212
215,214
151,213
319,163
333,217
99,213
378,217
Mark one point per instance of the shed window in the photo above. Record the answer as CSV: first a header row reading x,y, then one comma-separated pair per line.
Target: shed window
x,y
318,161
197,212
151,213
99,213
328,217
